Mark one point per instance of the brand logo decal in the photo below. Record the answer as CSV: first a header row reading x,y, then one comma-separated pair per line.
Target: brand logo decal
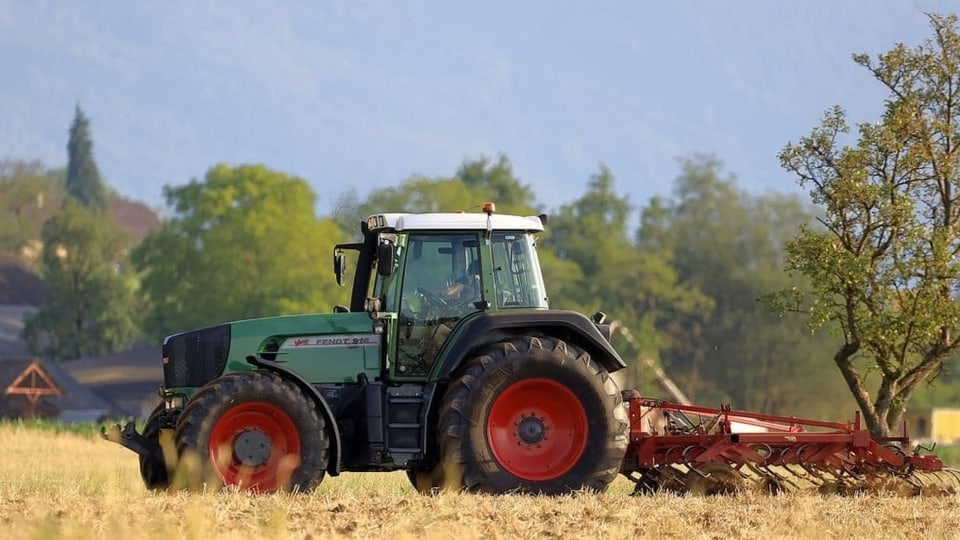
x,y
313,342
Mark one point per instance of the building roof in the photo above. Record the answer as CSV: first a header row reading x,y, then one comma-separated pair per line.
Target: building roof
x,y
138,364
125,376
11,324
75,395
10,369
133,217
18,284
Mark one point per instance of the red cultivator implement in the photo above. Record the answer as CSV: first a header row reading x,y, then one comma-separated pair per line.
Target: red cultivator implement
x,y
685,448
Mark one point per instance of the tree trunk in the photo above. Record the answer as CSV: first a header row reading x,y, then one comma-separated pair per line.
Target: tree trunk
x,y
855,382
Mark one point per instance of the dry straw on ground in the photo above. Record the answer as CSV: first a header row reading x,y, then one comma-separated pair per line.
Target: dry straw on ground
x,y
67,486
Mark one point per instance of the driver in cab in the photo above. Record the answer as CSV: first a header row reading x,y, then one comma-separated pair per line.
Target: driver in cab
x,y
467,286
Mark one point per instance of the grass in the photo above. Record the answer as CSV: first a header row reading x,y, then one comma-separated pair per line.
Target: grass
x,y
86,429
65,483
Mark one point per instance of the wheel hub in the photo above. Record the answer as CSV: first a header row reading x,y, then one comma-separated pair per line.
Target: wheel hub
x,y
531,430
252,448
537,429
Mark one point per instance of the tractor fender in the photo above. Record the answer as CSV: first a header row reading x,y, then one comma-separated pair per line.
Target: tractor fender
x,y
336,445
487,327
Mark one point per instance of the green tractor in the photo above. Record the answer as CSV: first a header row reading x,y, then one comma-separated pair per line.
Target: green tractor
x,y
447,364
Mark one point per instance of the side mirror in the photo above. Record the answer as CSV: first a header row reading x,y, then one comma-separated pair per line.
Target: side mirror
x,y
339,267
385,255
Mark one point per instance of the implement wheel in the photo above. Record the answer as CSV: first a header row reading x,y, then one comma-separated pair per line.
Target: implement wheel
x,y
254,431
532,415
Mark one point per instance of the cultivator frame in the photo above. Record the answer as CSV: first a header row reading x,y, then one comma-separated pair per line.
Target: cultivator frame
x,y
687,448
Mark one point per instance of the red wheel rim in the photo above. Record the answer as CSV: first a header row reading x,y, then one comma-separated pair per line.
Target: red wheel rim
x,y
537,429
255,446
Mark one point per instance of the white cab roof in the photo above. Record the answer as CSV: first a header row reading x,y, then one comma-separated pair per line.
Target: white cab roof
x,y
453,221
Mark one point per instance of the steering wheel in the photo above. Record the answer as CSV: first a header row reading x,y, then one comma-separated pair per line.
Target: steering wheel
x,y
432,298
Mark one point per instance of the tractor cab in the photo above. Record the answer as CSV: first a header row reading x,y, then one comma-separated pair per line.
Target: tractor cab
x,y
423,273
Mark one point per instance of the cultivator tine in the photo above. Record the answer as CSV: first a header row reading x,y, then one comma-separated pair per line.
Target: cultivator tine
x,y
782,481
954,474
796,474
769,481
665,479
946,481
646,482
785,453
714,478
816,476
914,480
673,480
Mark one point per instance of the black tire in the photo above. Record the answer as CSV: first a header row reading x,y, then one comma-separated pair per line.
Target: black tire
x,y
153,469
425,481
281,439
532,415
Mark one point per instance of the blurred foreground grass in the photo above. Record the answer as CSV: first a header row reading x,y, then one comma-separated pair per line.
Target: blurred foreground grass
x,y
65,484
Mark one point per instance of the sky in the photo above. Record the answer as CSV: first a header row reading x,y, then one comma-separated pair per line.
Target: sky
x,y
364,94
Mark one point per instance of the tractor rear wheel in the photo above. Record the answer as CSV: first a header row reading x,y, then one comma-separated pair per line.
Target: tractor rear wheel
x,y
533,415
254,431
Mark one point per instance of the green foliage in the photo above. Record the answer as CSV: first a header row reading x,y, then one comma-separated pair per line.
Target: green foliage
x,y
83,177
475,182
496,182
942,390
420,194
29,195
683,288
243,243
949,454
598,267
727,245
883,266
90,306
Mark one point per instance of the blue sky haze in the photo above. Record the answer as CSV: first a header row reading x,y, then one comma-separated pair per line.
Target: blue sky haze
x,y
366,93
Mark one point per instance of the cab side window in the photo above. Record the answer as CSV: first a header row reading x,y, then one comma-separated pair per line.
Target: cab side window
x,y
438,289
516,275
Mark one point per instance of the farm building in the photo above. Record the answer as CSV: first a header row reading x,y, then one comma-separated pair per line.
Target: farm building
x,y
121,385
25,384
33,388
937,424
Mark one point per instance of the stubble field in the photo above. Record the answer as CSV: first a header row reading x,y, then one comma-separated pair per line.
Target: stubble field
x,y
74,486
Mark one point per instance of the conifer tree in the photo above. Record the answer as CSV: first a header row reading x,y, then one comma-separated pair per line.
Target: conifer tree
x,y
83,177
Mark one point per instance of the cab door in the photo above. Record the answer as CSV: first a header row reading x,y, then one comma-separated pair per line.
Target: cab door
x,y
440,284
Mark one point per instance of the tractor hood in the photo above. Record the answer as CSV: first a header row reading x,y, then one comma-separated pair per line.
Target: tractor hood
x,y
191,359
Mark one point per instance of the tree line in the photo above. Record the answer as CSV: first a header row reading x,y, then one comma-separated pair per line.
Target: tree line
x,y
741,298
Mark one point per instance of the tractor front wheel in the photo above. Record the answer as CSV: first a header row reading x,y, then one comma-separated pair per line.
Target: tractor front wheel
x,y
533,415
254,431
426,481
